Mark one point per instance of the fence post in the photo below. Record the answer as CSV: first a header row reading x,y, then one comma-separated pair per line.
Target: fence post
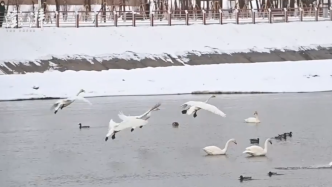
x,y
237,14
151,19
301,14
286,15
253,11
96,18
115,18
169,18
77,19
187,17
134,18
220,16
204,17
57,19
316,13
270,15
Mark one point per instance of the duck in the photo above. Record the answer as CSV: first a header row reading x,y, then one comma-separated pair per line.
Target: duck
x,y
175,124
253,119
257,150
284,136
62,103
145,116
114,127
81,127
242,178
254,141
201,105
214,150
193,109
273,173
290,134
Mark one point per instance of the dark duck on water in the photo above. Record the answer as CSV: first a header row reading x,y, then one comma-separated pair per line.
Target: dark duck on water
x,y
242,178
83,127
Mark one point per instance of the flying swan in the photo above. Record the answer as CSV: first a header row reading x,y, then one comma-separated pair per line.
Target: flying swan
x,y
62,103
201,105
145,116
114,127
257,150
193,109
253,119
214,150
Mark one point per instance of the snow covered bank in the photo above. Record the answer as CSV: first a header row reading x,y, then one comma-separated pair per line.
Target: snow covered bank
x,y
112,48
301,76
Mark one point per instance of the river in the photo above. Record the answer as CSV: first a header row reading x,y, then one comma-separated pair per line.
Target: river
x,y
39,148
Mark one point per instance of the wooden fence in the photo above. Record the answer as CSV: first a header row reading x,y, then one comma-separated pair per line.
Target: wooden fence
x,y
159,18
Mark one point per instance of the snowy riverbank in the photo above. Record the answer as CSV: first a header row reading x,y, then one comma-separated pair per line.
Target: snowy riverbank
x,y
305,76
127,47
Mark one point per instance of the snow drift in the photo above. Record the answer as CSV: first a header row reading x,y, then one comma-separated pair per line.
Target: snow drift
x,y
305,76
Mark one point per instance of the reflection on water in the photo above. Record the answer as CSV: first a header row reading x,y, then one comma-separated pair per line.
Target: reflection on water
x,y
38,148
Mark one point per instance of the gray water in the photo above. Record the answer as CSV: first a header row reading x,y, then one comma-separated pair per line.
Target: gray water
x,y
39,148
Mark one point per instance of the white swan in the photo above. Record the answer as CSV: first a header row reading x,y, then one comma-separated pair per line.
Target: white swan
x,y
202,105
62,103
114,127
214,150
145,116
257,150
193,109
330,164
253,119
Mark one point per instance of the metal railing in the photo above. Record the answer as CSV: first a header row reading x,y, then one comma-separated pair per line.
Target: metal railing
x,y
158,18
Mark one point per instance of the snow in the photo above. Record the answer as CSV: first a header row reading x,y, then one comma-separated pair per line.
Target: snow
x,y
157,42
300,76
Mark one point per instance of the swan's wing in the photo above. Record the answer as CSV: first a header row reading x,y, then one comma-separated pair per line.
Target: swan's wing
x,y
254,149
124,117
213,150
130,123
111,127
146,114
56,104
207,107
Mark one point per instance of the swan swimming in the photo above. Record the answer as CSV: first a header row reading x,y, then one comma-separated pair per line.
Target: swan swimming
x,y
62,103
145,116
253,119
257,150
201,105
114,127
194,109
214,150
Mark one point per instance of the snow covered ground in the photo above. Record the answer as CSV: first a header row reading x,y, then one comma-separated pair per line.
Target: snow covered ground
x,y
141,42
300,76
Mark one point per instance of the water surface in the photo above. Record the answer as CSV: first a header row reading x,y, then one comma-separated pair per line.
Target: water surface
x,y
38,148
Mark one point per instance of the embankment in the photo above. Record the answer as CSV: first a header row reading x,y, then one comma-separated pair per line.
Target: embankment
x,y
99,49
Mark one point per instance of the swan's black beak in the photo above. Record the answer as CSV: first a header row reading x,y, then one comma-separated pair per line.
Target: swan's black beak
x,y
235,143
270,142
184,111
106,139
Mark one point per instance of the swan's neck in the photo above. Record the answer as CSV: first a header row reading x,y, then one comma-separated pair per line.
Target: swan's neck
x,y
226,146
208,99
79,93
265,145
256,116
